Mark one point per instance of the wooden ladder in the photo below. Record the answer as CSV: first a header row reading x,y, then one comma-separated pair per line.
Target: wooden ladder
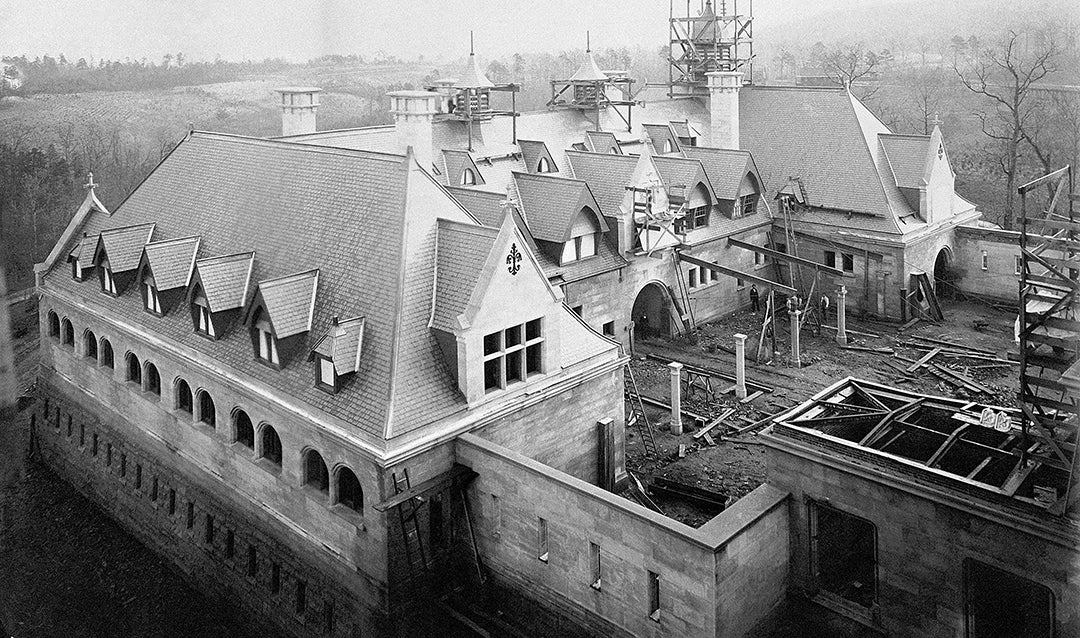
x,y
637,418
408,516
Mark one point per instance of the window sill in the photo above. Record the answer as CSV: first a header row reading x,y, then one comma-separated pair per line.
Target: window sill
x,y
239,447
350,515
846,608
269,466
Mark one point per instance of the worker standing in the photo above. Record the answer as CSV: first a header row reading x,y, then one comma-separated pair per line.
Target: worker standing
x,y
753,298
824,305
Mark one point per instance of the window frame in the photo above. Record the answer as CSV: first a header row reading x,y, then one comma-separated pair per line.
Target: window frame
x,y
468,177
203,316
830,258
331,386
266,346
847,262
985,260
503,353
151,298
108,280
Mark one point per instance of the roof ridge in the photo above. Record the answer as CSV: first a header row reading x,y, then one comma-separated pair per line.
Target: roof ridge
x,y
287,138
917,136
781,87
298,146
550,176
249,254
126,228
717,148
288,279
621,158
477,229
166,242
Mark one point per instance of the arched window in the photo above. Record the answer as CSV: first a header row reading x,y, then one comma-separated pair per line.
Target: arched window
x,y
207,412
315,473
349,493
266,343
90,344
184,401
468,177
134,368
245,433
668,147
544,166
271,445
106,354
54,325
153,379
67,333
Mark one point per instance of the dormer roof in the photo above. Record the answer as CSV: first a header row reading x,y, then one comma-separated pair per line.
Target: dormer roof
x,y
531,153
84,249
463,250
172,261
454,165
123,247
681,172
602,142
606,174
909,157
659,134
472,77
290,302
726,168
550,204
225,280
342,344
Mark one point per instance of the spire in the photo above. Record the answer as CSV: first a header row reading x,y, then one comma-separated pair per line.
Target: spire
x,y
589,71
473,78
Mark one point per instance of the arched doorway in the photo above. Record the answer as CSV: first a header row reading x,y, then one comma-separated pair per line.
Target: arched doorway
x,y
651,312
942,277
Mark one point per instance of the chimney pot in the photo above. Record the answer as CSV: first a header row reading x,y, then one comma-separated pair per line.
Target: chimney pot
x,y
414,112
724,108
299,105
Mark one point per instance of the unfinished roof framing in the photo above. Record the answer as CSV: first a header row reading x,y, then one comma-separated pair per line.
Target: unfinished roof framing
x,y
713,40
938,440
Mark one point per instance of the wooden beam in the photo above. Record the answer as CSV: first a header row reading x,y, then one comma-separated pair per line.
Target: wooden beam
x,y
738,274
454,473
776,254
1039,180
925,359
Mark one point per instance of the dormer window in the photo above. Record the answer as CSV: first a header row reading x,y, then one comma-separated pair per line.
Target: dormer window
x,y
151,300
579,248
543,166
108,283
513,355
267,342
468,177
747,205
77,270
326,375
204,322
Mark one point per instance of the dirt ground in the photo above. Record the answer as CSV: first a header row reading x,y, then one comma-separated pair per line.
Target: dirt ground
x,y
736,464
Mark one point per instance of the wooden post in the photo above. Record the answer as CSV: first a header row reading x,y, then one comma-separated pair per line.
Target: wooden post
x,y
675,369
740,366
903,305
606,431
841,316
795,314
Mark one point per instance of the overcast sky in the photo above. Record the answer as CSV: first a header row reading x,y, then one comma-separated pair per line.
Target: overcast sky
x,y
302,29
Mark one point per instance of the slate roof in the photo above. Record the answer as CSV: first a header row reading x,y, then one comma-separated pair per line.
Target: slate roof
x,y
123,246
172,261
472,77
601,142
225,280
532,151
290,302
680,171
908,157
462,251
589,71
607,176
456,162
725,167
343,344
486,206
84,249
550,203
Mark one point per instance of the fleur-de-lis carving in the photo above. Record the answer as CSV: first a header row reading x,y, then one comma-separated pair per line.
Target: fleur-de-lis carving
x,y
513,260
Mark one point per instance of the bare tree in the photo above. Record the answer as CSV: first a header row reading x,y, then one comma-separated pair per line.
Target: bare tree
x,y
847,63
927,95
1004,75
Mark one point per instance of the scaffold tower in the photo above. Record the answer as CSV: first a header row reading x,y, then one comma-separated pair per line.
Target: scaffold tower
x,y
715,39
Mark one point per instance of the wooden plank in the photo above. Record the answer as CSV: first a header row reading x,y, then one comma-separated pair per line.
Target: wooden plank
x,y
454,473
964,380
750,385
776,254
738,274
1055,282
760,423
1059,324
1054,342
1057,224
750,397
911,323
715,422
868,335
657,403
709,440
873,350
638,490
925,359
952,345
1041,180
1042,382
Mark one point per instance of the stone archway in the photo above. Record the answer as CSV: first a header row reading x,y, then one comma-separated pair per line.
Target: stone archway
x,y
652,312
943,279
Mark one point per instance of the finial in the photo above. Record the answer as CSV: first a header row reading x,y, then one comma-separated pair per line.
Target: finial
x,y
471,50
936,121
508,203
90,181
588,42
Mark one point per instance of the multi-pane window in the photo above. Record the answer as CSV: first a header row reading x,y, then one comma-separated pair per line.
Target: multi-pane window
x,y
579,248
512,355
150,294
108,283
204,323
267,342
697,217
747,205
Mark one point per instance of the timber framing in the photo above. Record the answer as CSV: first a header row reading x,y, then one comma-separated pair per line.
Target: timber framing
x,y
738,274
776,254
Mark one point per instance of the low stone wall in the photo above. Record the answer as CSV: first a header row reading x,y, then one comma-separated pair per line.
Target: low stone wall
x,y
226,551
719,580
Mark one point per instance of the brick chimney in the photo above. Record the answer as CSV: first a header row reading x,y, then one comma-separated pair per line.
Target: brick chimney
x,y
724,108
414,112
298,107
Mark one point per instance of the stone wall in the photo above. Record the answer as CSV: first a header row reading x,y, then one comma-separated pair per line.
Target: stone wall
x,y
999,281
232,551
923,538
718,580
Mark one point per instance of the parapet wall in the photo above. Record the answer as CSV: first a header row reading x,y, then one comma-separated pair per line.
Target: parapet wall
x,y
719,580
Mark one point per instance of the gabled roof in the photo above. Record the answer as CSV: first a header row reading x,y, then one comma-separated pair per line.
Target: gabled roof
x,y
909,158
602,142
172,261
532,151
725,167
343,344
550,203
462,252
225,280
607,176
659,134
456,162
123,246
472,77
290,302
683,128
486,206
589,71
681,171
84,249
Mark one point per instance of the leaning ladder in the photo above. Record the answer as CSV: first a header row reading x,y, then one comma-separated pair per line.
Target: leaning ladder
x,y
637,416
408,515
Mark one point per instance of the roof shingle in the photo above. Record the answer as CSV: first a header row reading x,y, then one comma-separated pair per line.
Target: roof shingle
x,y
172,261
